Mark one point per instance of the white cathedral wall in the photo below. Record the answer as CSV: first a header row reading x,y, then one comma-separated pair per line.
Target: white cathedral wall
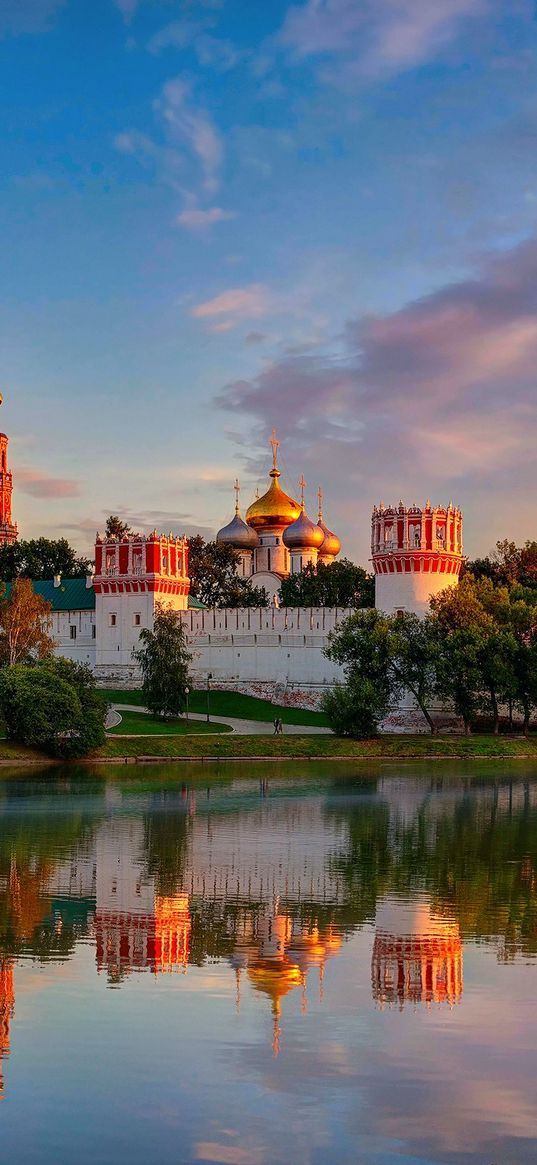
x,y
118,633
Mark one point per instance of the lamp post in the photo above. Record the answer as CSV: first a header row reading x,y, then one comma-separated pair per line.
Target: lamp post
x,y
187,693
209,678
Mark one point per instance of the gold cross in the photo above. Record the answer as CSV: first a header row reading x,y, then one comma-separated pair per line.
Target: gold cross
x,y
237,488
302,485
275,446
320,499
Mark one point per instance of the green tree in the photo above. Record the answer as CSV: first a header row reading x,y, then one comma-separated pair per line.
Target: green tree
x,y
116,527
41,558
465,633
53,705
24,624
164,659
361,645
339,584
412,659
214,580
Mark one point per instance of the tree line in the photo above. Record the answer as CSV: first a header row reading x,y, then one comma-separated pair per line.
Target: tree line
x,y
475,651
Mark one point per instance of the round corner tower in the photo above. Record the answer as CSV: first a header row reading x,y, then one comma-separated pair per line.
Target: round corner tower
x,y
416,553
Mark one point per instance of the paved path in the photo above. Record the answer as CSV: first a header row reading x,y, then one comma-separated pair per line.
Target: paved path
x,y
241,727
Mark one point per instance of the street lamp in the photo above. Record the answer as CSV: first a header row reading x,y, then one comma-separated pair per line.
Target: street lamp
x,y
209,678
187,693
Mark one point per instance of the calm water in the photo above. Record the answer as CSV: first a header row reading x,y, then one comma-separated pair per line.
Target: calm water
x,y
255,967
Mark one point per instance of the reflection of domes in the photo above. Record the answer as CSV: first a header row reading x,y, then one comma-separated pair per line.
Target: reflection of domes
x,y
303,534
238,535
274,978
331,545
274,508
417,955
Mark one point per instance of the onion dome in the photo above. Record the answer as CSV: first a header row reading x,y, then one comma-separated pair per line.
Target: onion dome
x,y
331,545
303,534
237,534
273,508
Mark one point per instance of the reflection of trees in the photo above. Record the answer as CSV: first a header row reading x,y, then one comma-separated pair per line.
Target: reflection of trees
x,y
476,858
165,843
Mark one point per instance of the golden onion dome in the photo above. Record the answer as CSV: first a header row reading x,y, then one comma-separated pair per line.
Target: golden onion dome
x,y
331,545
274,508
303,534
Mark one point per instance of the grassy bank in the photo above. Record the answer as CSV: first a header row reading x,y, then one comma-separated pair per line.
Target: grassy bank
x,y
228,704
141,724
228,747
384,747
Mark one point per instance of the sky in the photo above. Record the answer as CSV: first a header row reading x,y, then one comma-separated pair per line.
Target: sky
x,y
218,217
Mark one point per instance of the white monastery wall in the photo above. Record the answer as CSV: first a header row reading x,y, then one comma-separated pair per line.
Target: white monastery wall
x,y
74,635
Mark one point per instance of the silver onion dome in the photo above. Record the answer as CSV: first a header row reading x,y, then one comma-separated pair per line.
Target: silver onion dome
x,y
238,535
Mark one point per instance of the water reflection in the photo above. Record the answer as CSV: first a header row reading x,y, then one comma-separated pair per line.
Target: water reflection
x,y
312,898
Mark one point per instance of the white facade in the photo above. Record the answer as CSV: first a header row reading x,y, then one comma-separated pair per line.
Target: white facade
x,y
74,634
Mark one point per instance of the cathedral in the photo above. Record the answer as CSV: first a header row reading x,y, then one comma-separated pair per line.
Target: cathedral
x,y
278,538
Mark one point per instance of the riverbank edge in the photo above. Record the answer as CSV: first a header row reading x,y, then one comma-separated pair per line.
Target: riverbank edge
x,y
372,756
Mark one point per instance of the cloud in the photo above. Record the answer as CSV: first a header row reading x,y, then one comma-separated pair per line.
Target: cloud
x,y
195,219
377,37
42,485
235,304
254,338
18,17
212,52
438,394
191,128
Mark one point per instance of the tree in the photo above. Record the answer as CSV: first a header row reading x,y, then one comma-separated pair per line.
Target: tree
x,y
339,584
24,624
90,732
361,645
116,527
164,660
41,558
213,576
53,705
467,643
509,565
412,659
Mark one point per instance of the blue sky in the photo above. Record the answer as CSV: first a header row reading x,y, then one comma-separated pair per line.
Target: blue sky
x,y
221,216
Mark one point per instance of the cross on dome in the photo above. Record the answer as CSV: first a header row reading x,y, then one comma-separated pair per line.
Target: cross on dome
x,y
237,488
320,500
302,485
275,446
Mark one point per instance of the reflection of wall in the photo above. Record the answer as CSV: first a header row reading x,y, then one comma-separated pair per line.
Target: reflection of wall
x,y
417,955
7,1003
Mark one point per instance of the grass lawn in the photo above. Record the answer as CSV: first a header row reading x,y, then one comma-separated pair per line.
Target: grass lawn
x,y
141,724
229,704
281,747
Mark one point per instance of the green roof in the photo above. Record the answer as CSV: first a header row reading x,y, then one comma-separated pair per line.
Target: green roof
x,y
73,595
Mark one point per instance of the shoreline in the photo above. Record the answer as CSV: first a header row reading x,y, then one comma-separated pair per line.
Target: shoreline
x,y
35,762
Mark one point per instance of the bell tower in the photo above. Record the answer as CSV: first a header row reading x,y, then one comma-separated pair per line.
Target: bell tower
x,y
8,531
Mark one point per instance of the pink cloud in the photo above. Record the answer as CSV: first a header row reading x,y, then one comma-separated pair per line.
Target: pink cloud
x,y
196,219
236,304
42,485
377,36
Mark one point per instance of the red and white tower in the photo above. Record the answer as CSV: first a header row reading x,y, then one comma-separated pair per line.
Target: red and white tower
x,y
133,575
8,530
416,553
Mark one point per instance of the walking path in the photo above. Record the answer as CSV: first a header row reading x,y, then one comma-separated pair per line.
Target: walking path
x,y
241,727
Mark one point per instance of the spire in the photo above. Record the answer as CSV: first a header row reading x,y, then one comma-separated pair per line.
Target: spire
x,y
320,500
8,530
237,488
302,485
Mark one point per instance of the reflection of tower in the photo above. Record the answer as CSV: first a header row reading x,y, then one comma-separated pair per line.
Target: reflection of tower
x,y
136,929
416,553
417,955
7,1003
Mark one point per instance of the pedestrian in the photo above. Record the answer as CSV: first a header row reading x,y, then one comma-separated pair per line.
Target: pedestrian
x,y
276,725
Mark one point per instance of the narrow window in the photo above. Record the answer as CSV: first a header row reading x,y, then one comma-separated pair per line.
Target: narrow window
x,y
112,620
94,632
72,631
268,557
137,619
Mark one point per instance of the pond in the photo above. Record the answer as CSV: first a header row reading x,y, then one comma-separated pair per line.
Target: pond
x,y
257,965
